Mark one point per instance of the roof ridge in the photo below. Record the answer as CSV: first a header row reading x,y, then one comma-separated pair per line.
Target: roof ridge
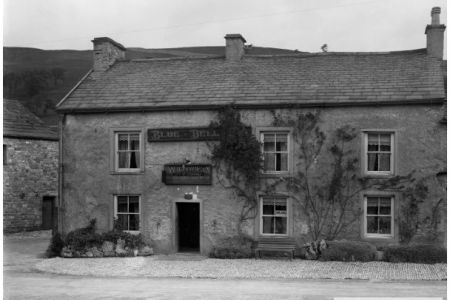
x,y
172,58
310,54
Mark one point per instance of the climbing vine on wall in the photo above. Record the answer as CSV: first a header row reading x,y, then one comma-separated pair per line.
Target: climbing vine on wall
x,y
237,157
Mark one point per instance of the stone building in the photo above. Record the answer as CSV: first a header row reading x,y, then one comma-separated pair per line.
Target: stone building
x,y
136,140
30,170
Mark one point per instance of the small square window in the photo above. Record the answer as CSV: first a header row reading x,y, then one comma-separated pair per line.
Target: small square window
x,y
128,151
127,212
378,153
379,216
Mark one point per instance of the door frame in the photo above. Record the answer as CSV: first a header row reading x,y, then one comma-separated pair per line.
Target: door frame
x,y
175,246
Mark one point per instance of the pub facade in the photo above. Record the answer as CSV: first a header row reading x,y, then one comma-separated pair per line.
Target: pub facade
x,y
136,138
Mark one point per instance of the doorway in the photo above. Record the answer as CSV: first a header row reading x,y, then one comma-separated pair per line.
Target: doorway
x,y
188,227
48,204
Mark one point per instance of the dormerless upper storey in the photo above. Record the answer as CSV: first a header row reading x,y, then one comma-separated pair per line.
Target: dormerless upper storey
x,y
303,79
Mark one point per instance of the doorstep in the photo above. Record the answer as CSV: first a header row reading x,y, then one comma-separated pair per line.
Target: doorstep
x,y
181,256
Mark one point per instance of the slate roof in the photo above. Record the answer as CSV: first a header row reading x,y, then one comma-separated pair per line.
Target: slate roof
x,y
19,122
286,80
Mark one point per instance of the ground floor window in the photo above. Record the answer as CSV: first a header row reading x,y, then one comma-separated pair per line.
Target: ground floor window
x,y
379,216
127,211
274,216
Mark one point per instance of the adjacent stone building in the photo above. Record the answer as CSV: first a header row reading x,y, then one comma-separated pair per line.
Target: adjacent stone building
x,y
30,170
136,140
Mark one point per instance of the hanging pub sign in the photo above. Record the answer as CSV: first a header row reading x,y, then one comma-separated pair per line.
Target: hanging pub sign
x,y
182,174
183,134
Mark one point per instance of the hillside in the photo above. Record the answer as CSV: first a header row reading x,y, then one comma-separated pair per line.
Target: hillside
x,y
30,74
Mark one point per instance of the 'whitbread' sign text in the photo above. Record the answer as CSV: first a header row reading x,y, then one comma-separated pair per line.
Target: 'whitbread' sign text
x,y
183,134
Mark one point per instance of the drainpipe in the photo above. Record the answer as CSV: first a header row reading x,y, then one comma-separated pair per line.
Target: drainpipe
x,y
60,228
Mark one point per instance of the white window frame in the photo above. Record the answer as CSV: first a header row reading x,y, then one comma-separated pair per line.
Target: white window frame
x,y
140,210
379,235
261,215
289,150
392,152
116,150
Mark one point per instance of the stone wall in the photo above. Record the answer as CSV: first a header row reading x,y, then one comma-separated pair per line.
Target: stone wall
x,y
30,173
90,184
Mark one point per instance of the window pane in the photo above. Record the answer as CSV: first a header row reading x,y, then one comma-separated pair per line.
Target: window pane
x,y
134,222
280,225
372,224
280,209
269,161
269,142
123,141
134,204
123,221
134,142
268,208
268,225
372,142
385,206
385,142
281,142
122,204
134,159
385,162
282,164
384,225
123,160
372,162
372,206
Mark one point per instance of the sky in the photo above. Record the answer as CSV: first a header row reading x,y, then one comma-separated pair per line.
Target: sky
x,y
344,25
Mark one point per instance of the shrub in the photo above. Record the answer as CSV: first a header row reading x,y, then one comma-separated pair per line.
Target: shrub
x,y
416,254
233,247
55,247
348,251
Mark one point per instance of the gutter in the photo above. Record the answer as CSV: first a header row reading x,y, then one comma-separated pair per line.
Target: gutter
x,y
434,101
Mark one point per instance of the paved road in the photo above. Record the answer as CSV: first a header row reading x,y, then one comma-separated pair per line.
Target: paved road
x,y
22,282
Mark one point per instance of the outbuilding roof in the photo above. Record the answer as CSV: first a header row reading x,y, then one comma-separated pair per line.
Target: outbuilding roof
x,y
19,122
320,79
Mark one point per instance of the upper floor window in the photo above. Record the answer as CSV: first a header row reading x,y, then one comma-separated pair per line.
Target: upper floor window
x,y
128,151
379,216
275,150
127,211
379,153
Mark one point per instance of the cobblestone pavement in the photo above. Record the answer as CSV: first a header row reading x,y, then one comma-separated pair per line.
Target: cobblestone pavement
x,y
23,281
242,268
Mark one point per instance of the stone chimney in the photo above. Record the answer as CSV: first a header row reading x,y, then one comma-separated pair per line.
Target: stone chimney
x,y
435,35
106,52
234,46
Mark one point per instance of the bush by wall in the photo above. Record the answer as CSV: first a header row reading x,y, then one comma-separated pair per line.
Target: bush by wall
x,y
55,247
348,251
416,254
85,242
233,247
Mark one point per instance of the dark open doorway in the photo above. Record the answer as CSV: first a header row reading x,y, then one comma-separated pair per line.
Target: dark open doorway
x,y
188,227
48,207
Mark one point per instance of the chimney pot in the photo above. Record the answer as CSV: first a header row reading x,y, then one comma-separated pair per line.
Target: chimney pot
x,y
106,53
234,46
435,12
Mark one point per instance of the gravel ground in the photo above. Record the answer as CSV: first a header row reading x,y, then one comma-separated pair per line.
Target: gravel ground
x,y
164,266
